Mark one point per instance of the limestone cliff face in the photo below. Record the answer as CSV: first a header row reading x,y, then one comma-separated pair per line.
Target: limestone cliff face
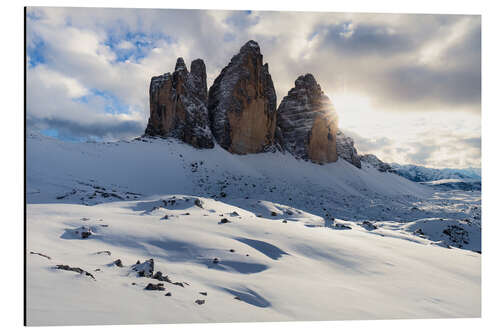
x,y
346,149
307,122
178,105
242,103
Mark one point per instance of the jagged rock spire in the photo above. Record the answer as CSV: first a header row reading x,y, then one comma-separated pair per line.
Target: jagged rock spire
x,y
180,65
178,105
307,122
199,73
242,103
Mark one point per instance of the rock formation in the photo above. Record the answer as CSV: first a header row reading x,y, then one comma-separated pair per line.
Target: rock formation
x,y
239,112
178,105
242,103
307,122
346,149
377,163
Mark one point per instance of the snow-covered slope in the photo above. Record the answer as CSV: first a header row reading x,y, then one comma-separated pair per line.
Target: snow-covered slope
x,y
261,237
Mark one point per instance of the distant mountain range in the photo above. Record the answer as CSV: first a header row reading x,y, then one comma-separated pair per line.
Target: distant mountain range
x,y
422,174
468,179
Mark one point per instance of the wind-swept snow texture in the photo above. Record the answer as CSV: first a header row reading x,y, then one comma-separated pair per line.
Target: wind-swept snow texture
x,y
262,237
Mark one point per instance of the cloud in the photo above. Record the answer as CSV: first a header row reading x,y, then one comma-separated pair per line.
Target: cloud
x,y
473,142
422,153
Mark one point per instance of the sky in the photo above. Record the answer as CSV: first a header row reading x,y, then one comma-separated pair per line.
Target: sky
x,y
406,87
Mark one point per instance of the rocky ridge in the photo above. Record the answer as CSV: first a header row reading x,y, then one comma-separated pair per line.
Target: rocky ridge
x,y
346,149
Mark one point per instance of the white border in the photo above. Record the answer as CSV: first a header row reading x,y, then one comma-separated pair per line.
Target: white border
x,y
11,193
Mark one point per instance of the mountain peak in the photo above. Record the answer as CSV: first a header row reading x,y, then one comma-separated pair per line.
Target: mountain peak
x,y
180,64
251,45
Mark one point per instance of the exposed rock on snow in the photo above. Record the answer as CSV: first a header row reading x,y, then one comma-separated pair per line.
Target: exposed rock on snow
x,y
104,252
198,202
368,225
458,235
145,269
160,277
242,103
346,149
178,105
74,269
376,163
307,122
41,254
78,233
153,286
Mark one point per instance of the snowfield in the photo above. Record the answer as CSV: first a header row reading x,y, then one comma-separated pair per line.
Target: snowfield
x,y
262,237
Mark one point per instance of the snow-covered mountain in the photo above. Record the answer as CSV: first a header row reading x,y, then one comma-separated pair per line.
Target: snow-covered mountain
x,y
422,174
259,237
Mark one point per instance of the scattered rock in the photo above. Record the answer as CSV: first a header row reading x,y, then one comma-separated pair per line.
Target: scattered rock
x,y
368,225
168,294
204,293
104,252
457,235
145,269
152,286
41,254
83,232
224,220
118,263
198,203
200,301
274,214
215,261
160,277
340,226
74,269
232,250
